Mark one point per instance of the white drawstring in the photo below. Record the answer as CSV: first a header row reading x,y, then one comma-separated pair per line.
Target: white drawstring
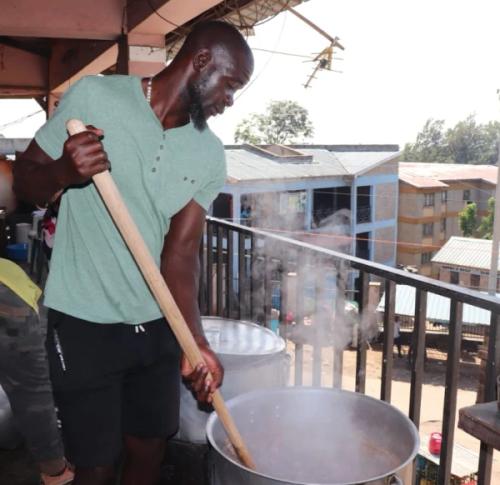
x,y
139,328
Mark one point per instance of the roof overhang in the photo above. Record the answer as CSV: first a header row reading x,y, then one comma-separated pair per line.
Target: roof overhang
x,y
45,46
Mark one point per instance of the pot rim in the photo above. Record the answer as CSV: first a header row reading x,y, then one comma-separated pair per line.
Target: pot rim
x,y
280,342
213,418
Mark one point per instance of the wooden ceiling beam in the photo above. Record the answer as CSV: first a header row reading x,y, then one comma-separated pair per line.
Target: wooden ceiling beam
x,y
22,73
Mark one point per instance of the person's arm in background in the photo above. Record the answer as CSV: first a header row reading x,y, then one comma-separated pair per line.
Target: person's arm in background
x,y
180,268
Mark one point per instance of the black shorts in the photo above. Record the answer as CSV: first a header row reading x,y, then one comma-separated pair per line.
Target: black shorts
x,y
112,380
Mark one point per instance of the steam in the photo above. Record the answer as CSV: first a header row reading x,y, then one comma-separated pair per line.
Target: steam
x,y
318,310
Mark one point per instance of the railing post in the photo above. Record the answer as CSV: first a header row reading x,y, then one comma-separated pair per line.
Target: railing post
x,y
450,392
220,271
362,343
202,290
299,314
387,353
339,323
229,313
242,275
210,267
418,356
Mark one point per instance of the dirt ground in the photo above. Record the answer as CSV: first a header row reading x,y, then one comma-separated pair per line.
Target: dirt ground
x,y
466,447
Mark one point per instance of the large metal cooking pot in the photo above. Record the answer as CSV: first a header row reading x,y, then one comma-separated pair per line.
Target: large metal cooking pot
x,y
305,436
253,358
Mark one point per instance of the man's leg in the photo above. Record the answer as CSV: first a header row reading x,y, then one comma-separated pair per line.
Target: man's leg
x,y
150,403
85,369
142,460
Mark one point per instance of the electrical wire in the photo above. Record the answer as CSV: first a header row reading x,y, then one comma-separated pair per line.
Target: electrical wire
x,y
264,67
20,120
162,17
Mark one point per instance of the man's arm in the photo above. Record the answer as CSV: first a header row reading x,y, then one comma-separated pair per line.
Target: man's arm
x,y
39,179
180,267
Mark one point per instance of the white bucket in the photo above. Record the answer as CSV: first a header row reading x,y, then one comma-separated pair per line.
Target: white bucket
x,y
22,232
253,358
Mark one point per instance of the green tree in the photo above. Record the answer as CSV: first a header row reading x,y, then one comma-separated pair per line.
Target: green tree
x,y
468,220
467,142
430,145
283,122
485,229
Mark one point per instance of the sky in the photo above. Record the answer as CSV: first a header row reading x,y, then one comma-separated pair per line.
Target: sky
x,y
405,61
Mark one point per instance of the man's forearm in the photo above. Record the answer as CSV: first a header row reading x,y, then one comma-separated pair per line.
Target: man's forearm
x,y
183,284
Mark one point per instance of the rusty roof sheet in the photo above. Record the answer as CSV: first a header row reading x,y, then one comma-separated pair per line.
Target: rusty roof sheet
x,y
428,175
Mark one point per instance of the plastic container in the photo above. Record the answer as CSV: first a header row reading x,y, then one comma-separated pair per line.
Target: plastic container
x,y
435,443
17,252
22,232
253,358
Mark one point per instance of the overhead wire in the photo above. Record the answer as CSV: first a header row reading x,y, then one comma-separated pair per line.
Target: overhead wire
x,y
20,120
264,67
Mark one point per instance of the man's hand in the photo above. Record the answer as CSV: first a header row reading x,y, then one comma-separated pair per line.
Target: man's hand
x,y
83,156
198,381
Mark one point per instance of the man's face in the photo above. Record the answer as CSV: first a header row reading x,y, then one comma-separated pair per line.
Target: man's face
x,y
216,85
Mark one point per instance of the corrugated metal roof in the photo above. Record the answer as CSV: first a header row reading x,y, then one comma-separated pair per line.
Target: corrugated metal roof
x,y
244,165
467,252
438,307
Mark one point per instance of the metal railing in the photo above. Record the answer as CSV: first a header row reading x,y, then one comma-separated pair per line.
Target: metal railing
x,y
247,272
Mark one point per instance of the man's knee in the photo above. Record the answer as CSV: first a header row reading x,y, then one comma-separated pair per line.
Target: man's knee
x,y
100,475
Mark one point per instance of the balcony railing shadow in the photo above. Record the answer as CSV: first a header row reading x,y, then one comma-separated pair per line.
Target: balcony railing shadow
x,y
323,301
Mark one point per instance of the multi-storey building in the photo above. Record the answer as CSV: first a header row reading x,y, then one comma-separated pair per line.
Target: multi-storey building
x,y
430,197
342,197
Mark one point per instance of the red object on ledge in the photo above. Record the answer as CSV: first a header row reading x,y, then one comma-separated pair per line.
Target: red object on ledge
x,y
435,443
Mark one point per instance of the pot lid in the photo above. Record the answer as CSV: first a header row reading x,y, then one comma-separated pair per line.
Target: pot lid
x,y
238,337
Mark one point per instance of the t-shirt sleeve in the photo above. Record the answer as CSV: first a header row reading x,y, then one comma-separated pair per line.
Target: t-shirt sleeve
x,y
208,192
52,135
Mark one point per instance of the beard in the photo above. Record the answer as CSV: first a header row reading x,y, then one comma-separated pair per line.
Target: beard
x,y
196,112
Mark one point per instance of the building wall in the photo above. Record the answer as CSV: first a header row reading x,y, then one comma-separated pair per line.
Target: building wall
x,y
413,214
443,273
386,201
384,244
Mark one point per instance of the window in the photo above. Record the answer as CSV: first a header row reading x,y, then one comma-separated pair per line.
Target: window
x,y
428,229
475,280
426,258
443,224
454,277
466,195
444,196
428,200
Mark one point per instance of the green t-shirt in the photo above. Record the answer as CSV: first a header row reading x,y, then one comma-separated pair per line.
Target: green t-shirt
x,y
92,274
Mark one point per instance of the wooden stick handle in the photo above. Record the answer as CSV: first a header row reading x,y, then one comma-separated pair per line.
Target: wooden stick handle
x,y
133,239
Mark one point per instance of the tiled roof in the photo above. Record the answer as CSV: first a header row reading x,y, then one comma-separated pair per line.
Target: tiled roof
x,y
427,175
467,252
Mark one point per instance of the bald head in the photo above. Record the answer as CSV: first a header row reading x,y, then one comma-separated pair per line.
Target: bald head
x,y
216,35
216,61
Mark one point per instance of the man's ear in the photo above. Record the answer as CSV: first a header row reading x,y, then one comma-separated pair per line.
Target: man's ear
x,y
201,59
